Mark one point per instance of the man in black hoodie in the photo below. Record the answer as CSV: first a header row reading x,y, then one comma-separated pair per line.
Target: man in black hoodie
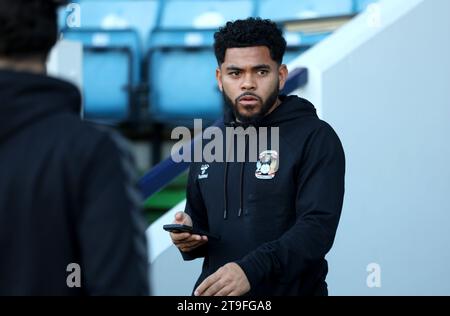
x,y
69,208
277,217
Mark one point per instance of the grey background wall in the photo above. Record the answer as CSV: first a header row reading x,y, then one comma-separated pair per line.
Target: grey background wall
x,y
385,89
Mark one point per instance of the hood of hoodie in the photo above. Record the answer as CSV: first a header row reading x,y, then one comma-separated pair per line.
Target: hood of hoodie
x,y
27,97
291,107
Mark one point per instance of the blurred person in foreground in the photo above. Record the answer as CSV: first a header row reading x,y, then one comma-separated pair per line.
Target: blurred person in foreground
x,y
68,193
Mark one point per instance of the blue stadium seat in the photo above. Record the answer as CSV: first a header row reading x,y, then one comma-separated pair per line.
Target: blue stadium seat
x,y
181,61
182,77
299,42
302,9
117,14
203,13
184,38
361,5
111,68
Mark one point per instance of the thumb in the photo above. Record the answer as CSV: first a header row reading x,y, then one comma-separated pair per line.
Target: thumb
x,y
179,217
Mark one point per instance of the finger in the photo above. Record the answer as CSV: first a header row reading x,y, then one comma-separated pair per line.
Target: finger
x,y
186,238
224,291
214,288
179,217
187,248
180,236
206,284
195,237
192,244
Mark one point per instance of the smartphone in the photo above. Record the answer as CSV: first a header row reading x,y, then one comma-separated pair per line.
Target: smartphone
x,y
180,228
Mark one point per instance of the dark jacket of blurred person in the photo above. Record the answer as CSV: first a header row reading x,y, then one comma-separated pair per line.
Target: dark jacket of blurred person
x,y
69,208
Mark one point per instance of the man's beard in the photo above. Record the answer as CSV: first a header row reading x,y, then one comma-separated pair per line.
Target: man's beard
x,y
255,118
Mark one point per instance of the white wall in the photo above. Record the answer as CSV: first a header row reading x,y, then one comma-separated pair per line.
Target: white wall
x,y
383,83
169,273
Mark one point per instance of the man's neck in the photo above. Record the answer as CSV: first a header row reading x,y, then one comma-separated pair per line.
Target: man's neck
x,y
30,65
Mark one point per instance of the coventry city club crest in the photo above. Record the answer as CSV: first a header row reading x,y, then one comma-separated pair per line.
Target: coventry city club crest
x,y
267,165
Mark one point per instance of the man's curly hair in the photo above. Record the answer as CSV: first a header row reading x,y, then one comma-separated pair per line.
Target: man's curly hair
x,y
28,28
248,33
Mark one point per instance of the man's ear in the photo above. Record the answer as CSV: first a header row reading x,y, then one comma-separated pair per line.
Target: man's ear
x,y
219,79
282,75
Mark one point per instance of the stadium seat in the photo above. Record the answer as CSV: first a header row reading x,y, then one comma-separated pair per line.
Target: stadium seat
x,y
302,9
361,5
181,61
111,68
181,70
117,14
205,14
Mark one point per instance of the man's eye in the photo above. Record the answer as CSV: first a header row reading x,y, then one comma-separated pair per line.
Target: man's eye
x,y
234,73
262,72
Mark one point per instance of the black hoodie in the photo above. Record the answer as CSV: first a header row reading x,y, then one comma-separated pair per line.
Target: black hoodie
x,y
276,223
67,195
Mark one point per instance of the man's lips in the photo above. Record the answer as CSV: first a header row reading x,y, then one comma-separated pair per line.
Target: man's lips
x,y
248,100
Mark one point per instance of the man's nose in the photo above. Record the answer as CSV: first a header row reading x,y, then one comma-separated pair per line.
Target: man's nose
x,y
248,83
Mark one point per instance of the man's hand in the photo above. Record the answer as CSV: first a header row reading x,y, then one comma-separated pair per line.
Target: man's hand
x,y
186,241
229,280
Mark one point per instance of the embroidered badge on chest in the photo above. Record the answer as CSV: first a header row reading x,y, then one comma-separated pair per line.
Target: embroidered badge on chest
x,y
267,165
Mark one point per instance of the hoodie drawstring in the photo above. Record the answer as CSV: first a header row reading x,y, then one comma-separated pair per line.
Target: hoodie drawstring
x,y
241,189
225,193
225,177
241,183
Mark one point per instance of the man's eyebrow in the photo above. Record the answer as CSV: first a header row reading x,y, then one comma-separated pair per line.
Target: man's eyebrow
x,y
257,67
261,66
233,68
